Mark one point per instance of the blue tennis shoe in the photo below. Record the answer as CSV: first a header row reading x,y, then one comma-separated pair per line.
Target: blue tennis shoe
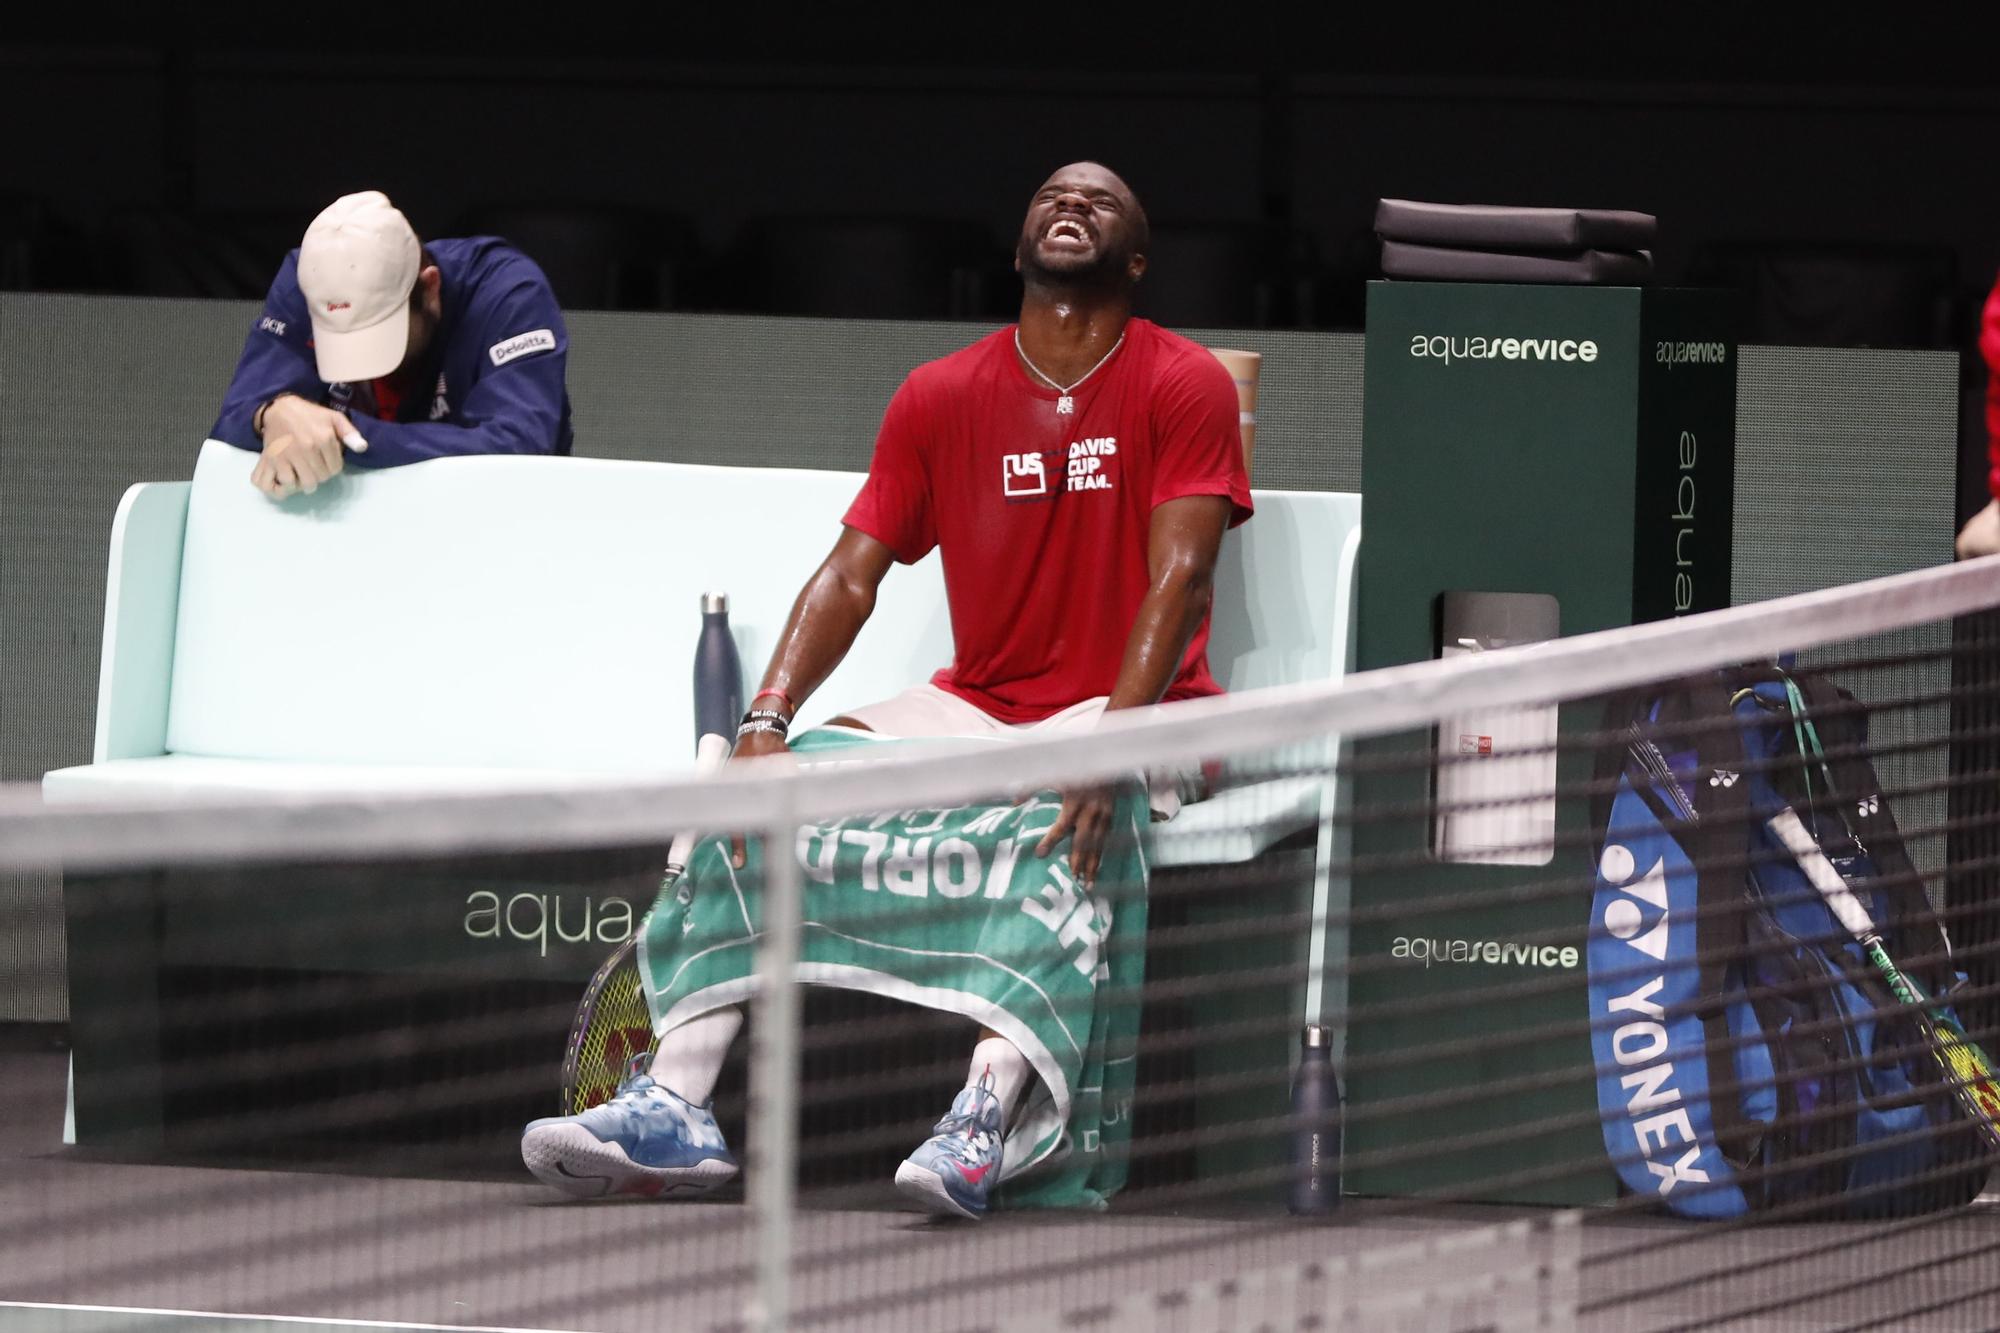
x,y
959,1164
646,1140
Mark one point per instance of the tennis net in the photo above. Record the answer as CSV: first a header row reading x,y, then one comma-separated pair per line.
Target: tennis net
x,y
1605,1056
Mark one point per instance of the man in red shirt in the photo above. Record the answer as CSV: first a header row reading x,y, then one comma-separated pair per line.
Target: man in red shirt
x,y
1981,533
1076,473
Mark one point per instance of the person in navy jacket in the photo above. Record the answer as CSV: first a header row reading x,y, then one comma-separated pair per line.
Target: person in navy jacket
x,y
375,349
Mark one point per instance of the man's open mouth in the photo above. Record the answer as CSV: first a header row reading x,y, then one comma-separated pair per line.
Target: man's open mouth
x,y
1068,231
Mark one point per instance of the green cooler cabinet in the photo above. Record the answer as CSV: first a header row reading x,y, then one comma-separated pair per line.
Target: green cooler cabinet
x,y
1575,445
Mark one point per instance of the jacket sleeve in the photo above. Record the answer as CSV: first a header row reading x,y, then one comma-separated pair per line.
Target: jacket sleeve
x,y
515,406
277,358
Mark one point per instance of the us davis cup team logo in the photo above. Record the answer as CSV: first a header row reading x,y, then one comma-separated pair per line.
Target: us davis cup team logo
x,y
1023,476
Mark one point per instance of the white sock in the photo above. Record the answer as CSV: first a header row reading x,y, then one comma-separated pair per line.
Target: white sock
x,y
690,1057
1010,1069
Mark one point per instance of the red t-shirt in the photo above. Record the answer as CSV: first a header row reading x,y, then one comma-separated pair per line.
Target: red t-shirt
x,y
1041,518
1989,348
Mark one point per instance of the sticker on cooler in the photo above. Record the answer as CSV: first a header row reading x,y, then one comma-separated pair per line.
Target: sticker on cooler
x,y
1496,772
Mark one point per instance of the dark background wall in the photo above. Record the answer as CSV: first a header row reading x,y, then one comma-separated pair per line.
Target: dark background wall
x,y
688,139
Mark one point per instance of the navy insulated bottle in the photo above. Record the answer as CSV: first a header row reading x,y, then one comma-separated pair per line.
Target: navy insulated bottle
x,y
1315,1151
718,676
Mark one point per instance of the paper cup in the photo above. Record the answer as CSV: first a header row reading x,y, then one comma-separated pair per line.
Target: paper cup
x,y
1243,367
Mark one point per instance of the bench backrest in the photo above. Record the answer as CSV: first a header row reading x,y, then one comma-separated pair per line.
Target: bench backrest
x,y
543,612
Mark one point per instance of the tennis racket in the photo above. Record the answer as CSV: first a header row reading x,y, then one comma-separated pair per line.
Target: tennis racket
x,y
1967,1069
613,1027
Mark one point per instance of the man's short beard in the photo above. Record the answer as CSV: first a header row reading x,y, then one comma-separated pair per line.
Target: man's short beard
x,y
1106,273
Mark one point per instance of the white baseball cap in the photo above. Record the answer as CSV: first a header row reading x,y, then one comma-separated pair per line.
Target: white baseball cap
x,y
357,266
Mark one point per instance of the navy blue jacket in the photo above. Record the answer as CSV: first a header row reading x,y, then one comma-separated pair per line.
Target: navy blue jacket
x,y
496,362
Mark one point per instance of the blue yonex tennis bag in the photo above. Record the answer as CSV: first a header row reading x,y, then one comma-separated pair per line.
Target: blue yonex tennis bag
x,y
1749,1060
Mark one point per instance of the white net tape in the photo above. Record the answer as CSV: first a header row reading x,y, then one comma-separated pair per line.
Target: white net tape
x,y
584,811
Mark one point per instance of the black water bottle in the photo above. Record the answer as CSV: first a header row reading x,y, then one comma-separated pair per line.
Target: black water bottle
x,y
718,676
1316,1134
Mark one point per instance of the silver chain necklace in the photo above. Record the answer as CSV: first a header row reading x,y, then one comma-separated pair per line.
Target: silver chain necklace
x,y
1065,404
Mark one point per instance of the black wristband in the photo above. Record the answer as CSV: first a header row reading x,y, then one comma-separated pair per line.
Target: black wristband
x,y
782,721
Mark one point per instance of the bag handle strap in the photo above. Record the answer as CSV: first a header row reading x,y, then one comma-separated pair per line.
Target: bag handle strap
x,y
1854,794
1716,841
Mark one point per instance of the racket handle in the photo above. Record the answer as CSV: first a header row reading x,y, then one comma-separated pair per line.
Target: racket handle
x,y
1792,833
709,755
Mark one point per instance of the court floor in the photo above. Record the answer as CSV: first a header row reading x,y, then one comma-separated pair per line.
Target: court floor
x,y
98,1245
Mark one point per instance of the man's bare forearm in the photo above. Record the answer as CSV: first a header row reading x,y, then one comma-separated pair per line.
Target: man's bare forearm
x,y
830,611
1181,550
1161,631
1167,619
825,619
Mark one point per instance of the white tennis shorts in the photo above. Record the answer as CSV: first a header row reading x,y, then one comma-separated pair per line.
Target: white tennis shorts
x,y
927,711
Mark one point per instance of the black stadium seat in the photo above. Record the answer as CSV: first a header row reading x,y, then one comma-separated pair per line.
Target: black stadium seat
x,y
24,232
598,258
163,252
1221,275
870,268
1838,294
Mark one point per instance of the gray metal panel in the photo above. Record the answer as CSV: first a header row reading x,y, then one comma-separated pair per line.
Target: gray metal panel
x,y
98,393
1308,406
1846,469
1846,466
767,392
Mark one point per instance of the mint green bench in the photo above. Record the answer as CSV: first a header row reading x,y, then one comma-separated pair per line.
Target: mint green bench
x,y
494,620
484,621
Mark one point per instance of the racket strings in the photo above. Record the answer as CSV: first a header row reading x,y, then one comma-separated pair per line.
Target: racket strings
x,y
616,1037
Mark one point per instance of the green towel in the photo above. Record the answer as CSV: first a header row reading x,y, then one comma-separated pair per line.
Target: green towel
x,y
951,909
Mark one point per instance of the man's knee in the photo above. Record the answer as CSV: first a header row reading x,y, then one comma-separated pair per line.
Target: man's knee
x,y
844,720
